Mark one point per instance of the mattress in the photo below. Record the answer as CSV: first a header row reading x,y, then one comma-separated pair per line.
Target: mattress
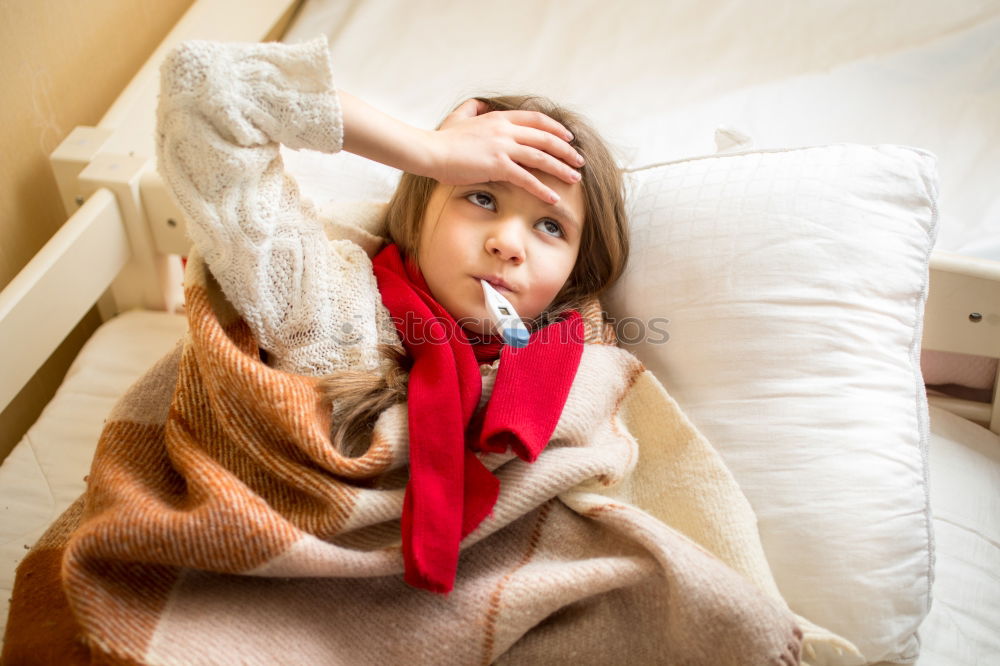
x,y
47,469
964,481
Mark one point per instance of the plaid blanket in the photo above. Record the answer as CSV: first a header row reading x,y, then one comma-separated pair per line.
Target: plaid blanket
x,y
220,526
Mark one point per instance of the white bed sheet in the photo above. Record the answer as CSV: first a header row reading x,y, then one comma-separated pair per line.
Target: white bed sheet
x,y
46,471
658,78
962,627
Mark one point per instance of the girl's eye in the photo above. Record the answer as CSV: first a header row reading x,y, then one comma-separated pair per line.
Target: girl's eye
x,y
550,227
483,200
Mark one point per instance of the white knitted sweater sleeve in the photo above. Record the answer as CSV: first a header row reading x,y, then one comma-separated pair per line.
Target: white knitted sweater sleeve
x,y
223,110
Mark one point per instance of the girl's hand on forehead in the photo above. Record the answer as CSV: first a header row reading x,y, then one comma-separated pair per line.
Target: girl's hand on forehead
x,y
475,145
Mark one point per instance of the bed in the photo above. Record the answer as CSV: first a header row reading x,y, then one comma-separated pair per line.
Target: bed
x,y
822,300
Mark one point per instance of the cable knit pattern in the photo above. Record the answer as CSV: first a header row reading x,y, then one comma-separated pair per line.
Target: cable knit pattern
x,y
224,109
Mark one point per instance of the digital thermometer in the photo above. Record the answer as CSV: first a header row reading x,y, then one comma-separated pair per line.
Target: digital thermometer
x,y
505,317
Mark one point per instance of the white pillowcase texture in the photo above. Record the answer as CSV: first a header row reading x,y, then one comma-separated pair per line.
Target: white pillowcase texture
x,y
794,283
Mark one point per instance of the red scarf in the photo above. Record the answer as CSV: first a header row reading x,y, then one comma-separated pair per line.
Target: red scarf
x,y
449,491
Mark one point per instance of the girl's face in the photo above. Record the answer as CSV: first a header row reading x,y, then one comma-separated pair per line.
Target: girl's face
x,y
523,246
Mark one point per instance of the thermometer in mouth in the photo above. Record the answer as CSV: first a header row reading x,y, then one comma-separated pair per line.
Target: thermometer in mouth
x,y
505,317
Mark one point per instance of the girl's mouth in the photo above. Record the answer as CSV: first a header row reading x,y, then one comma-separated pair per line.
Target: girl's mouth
x,y
497,283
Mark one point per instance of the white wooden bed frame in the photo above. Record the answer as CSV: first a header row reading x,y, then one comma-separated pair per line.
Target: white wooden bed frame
x,y
120,245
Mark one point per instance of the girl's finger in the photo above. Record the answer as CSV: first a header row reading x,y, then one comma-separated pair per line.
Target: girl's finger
x,y
550,144
537,159
470,108
538,121
519,176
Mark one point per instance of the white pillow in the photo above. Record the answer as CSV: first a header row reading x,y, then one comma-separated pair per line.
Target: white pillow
x,y
794,283
330,178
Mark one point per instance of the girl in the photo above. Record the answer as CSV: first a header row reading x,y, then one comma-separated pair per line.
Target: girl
x,y
499,193
220,524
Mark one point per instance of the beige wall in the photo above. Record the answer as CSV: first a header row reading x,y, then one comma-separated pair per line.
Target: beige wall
x,y
62,63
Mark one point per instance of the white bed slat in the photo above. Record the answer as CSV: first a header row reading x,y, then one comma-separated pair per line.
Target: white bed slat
x,y
144,281
165,218
960,288
50,295
71,157
963,316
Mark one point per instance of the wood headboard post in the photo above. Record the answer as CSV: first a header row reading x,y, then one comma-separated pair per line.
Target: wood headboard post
x,y
963,316
143,282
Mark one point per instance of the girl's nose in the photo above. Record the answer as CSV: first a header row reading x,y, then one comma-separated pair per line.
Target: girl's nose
x,y
506,241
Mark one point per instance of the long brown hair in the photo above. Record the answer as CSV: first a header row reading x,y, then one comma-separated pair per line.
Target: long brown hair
x,y
604,243
359,397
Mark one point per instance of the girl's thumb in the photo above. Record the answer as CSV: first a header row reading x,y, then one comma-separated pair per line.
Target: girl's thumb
x,y
471,108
